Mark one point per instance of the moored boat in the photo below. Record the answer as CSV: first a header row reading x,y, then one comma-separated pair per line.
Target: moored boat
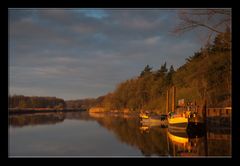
x,y
185,118
178,119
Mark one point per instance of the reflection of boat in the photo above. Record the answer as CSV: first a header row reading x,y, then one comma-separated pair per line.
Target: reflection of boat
x,y
178,139
144,129
183,144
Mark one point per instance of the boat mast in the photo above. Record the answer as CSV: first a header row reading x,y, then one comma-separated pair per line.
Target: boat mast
x,y
173,98
167,102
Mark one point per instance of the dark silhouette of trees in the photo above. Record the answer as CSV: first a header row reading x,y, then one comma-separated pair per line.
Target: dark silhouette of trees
x,y
147,70
20,101
169,77
85,103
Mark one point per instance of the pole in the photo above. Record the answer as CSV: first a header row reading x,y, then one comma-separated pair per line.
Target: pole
x,y
167,103
173,98
204,111
205,126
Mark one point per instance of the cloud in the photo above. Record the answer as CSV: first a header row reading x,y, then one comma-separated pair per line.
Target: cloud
x,y
94,13
84,53
149,41
153,40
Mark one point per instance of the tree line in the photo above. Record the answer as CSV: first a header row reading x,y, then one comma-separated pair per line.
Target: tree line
x,y
83,103
20,101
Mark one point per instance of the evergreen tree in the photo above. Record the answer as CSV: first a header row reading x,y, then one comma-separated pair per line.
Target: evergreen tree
x,y
162,71
147,70
169,76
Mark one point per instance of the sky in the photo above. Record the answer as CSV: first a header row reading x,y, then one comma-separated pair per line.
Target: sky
x,y
85,53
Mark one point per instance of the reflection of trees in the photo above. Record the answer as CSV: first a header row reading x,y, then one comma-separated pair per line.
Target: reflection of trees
x,y
36,119
152,143
157,142
219,137
126,129
45,118
75,115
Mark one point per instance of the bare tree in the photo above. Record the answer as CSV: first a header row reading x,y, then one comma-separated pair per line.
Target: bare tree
x,y
215,20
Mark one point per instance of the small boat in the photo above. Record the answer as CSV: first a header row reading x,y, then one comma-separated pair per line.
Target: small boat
x,y
155,120
185,117
178,119
144,115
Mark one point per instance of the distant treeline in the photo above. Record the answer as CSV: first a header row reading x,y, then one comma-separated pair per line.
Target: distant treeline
x,y
83,103
205,75
20,101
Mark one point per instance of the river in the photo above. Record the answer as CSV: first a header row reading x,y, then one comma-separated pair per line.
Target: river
x,y
80,134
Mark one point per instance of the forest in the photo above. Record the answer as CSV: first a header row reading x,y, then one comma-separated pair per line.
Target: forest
x,y
206,75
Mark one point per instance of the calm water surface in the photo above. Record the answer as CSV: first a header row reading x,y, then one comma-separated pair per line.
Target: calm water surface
x,y
96,135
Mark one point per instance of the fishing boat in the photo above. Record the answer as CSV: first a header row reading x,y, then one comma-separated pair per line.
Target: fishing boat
x,y
179,118
186,118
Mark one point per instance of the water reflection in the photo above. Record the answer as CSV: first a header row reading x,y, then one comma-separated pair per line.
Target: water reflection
x,y
149,140
45,118
150,143
183,144
161,141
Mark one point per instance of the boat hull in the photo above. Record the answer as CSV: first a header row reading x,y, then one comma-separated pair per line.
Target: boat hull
x,y
184,124
178,123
